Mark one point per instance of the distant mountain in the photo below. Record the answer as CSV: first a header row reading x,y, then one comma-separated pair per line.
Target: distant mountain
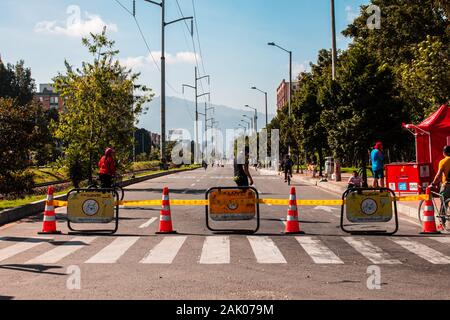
x,y
180,114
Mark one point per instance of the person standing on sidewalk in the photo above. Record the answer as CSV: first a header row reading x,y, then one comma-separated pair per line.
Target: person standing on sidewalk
x,y
377,157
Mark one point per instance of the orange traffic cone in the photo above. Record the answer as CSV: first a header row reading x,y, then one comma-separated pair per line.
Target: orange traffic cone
x,y
429,224
165,222
49,225
292,223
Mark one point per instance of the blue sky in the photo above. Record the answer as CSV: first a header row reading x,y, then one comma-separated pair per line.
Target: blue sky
x,y
233,38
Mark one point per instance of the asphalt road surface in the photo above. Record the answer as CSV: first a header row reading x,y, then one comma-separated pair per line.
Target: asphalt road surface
x,y
197,264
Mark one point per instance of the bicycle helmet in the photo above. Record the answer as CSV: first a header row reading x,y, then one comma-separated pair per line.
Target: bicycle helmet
x,y
447,151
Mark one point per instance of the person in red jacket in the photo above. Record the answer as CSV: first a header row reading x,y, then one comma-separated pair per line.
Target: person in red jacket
x,y
107,166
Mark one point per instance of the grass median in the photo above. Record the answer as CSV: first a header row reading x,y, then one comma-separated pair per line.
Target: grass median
x,y
8,204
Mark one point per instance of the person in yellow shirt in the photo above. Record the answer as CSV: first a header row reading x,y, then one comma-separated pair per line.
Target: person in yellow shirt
x,y
443,174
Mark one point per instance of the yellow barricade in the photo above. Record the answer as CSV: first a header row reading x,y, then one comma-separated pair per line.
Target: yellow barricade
x,y
273,202
412,198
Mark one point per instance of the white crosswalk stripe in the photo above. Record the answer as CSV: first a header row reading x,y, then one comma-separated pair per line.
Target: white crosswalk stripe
x,y
441,240
113,251
164,252
265,250
370,251
148,223
318,251
216,250
20,247
60,252
423,251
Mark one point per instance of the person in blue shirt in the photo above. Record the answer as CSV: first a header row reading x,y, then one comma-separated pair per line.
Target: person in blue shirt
x,y
377,157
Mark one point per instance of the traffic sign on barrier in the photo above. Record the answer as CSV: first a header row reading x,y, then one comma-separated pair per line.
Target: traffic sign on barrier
x,y
369,205
232,204
85,206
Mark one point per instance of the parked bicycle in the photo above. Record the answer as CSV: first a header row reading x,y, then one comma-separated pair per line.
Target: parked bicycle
x,y
116,186
441,210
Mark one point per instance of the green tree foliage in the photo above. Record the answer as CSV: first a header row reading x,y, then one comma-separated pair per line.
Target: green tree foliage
x,y
426,79
404,24
100,107
362,106
21,128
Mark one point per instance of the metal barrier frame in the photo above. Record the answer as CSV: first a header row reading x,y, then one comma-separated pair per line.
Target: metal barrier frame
x,y
369,232
96,232
258,223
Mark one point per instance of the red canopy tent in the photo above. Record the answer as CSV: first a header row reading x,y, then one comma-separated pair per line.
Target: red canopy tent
x,y
432,136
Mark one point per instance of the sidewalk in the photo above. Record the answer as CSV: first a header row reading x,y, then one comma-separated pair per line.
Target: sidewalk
x,y
408,209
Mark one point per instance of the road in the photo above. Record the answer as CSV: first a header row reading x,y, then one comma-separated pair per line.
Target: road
x,y
196,264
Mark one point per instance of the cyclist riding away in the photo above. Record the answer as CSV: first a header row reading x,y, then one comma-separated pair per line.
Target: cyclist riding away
x,y
107,166
443,175
288,164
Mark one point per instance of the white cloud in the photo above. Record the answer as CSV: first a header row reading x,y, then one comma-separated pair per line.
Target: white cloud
x,y
351,15
142,61
298,68
75,27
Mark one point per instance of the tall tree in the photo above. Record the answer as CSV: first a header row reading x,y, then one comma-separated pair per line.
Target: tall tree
x,y
426,79
19,132
100,107
362,106
404,23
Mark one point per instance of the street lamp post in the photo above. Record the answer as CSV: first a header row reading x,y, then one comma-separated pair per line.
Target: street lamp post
x,y
256,117
164,24
290,79
252,126
247,122
267,115
290,72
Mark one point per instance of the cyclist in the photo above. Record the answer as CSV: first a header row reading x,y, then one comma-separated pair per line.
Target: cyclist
x,y
288,164
204,164
107,168
443,175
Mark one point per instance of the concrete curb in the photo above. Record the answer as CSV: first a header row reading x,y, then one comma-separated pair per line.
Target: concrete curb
x,y
402,209
18,213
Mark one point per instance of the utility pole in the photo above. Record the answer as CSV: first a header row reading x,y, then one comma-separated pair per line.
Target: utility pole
x,y
333,35
195,87
206,124
337,169
164,24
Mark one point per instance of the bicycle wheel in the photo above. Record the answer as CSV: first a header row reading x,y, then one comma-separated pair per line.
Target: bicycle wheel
x,y
121,192
446,211
420,211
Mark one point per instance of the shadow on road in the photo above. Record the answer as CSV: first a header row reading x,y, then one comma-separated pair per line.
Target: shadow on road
x,y
4,298
33,269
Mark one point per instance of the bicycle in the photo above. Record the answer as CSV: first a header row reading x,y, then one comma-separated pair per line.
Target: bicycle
x,y
442,212
115,185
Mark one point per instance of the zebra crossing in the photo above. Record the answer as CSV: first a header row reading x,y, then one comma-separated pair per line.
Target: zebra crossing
x,y
216,250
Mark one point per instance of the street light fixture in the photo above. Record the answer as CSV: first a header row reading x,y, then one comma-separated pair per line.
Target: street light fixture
x,y
247,122
290,71
255,118
265,93
251,120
